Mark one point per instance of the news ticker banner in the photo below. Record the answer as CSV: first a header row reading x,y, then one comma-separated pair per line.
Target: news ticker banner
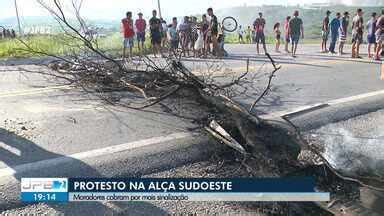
x,y
170,189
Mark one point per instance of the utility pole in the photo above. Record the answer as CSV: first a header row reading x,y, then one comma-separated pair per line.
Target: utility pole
x,y
158,5
18,19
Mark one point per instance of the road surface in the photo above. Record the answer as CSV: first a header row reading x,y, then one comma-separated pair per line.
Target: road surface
x,y
49,121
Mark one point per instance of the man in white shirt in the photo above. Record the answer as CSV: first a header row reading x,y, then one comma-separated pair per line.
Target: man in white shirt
x,y
240,31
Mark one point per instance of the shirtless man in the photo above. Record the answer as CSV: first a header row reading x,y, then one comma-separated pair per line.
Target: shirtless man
x,y
259,25
357,33
325,32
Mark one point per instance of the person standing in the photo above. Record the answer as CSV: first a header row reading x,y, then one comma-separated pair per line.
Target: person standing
x,y
128,33
286,30
193,34
357,33
184,30
140,25
276,30
240,33
343,31
248,36
325,32
214,29
371,36
334,28
172,35
296,30
155,27
221,42
199,43
379,35
253,36
13,33
163,30
206,35
259,25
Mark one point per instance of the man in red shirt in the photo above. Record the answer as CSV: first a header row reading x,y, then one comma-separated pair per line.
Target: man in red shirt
x,y
259,25
140,25
128,33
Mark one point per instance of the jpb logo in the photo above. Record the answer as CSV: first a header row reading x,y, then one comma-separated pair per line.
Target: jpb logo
x,y
44,184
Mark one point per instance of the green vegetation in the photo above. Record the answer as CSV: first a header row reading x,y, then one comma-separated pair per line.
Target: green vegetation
x,y
233,39
59,45
14,48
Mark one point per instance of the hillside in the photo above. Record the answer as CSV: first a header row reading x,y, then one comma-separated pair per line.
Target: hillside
x,y
312,18
245,15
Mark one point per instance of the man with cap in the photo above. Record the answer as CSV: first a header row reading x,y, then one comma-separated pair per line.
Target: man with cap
x,y
140,25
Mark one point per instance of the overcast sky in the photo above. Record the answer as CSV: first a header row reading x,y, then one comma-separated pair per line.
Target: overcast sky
x,y
114,9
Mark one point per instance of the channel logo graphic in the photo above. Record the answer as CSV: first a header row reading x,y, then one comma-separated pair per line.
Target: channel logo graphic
x,y
44,185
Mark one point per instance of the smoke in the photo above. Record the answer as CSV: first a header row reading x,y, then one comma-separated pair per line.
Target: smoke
x,y
352,155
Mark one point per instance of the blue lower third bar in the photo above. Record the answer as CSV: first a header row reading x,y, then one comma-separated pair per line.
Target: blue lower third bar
x,y
44,196
197,196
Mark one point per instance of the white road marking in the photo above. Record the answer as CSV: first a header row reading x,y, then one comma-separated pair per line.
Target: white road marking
x,y
320,105
4,172
292,111
355,97
34,91
11,149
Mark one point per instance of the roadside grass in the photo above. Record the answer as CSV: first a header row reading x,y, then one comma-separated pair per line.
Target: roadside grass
x,y
60,44
232,38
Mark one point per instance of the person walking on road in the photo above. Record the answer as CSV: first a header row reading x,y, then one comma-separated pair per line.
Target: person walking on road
x,y
379,35
325,32
286,31
371,36
140,25
128,33
259,25
343,31
334,28
296,30
357,33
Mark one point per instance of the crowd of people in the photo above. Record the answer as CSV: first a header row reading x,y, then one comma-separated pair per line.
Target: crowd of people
x,y
189,35
337,28
7,33
207,35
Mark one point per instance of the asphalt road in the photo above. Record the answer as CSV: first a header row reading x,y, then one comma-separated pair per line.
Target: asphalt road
x,y
48,122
